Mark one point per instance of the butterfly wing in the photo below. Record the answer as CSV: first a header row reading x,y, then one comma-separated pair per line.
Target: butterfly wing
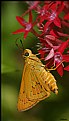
x,y
34,89
37,90
46,79
31,91
23,102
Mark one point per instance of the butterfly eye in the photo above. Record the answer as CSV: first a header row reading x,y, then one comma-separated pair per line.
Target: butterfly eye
x,y
26,54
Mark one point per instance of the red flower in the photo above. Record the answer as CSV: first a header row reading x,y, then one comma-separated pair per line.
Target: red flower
x,y
59,57
50,13
33,5
49,45
28,26
50,42
58,34
66,68
53,16
51,26
42,52
66,17
66,6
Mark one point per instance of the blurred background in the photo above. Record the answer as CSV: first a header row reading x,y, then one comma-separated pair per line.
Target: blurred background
x,y
54,108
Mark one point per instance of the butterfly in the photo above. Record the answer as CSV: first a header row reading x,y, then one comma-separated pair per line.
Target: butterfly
x,y
37,83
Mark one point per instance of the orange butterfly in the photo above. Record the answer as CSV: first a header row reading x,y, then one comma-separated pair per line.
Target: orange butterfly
x,y
37,83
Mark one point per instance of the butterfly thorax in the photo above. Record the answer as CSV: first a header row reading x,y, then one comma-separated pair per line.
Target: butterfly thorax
x,y
33,59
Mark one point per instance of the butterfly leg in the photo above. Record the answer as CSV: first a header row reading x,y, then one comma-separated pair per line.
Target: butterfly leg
x,y
53,68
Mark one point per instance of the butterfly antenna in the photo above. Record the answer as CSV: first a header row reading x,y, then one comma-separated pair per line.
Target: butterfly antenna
x,y
20,48
22,44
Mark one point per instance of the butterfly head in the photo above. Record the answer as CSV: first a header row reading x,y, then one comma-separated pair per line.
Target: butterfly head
x,y
27,53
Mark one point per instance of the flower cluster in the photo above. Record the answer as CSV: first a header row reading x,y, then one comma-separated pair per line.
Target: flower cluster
x,y
52,21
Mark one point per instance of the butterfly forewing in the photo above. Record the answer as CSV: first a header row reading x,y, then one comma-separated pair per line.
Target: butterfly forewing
x,y
23,102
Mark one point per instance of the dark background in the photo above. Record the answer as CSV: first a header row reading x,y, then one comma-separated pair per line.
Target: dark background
x,y
54,108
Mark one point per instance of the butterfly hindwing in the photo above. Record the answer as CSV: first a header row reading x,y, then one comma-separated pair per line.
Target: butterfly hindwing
x,y
45,78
